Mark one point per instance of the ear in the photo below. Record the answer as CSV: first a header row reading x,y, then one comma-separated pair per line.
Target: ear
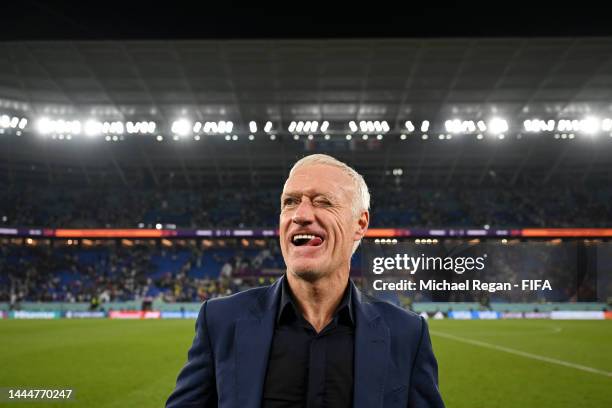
x,y
362,225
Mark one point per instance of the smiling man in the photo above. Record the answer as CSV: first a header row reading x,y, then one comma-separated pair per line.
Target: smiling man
x,y
312,339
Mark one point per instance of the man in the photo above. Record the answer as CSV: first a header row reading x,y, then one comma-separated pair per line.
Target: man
x,y
311,339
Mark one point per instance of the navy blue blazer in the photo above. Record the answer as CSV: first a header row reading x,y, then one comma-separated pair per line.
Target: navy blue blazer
x,y
394,362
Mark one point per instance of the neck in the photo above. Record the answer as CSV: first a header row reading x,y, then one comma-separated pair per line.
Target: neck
x,y
318,300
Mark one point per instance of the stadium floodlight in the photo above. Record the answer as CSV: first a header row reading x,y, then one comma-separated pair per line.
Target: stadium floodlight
x,y
363,126
292,126
606,124
425,126
235,137
251,137
197,127
481,126
409,126
377,126
364,137
403,136
181,127
498,126
479,136
228,137
324,126
349,137
327,137
44,126
379,137
307,127
314,126
424,136
159,138
299,126
268,127
196,137
296,137
253,126
385,126
151,127
93,128
5,121
14,122
272,137
353,126
370,126
310,137
590,125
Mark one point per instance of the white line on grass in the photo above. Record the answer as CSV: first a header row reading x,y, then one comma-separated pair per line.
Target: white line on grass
x,y
522,353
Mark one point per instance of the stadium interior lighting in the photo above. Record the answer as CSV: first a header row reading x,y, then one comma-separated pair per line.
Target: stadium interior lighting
x,y
364,137
403,136
606,124
324,126
310,137
349,137
479,136
307,127
235,137
251,137
482,126
353,126
296,137
457,126
292,126
424,136
425,126
159,138
272,137
93,128
253,126
58,126
299,127
379,137
228,137
268,127
197,127
498,126
181,127
409,126
590,125
539,125
196,137
327,137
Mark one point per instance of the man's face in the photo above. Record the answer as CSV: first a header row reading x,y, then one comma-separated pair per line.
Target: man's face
x,y
318,226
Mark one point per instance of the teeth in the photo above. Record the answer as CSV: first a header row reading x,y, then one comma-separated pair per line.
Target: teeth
x,y
303,236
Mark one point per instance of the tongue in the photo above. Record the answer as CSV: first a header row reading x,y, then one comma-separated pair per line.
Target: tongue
x,y
316,241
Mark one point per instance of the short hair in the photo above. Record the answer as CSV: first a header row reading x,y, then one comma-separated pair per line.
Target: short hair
x,y
362,194
362,201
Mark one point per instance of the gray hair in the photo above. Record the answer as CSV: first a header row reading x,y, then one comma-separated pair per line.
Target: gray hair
x,y
362,194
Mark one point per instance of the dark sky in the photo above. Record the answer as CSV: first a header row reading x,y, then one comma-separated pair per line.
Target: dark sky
x,y
87,19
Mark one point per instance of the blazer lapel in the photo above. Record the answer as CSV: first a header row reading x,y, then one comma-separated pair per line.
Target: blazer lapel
x,y
253,339
372,344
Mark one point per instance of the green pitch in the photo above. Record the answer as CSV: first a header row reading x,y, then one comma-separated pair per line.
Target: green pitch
x,y
488,364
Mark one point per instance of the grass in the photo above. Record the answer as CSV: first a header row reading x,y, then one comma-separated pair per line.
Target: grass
x,y
113,363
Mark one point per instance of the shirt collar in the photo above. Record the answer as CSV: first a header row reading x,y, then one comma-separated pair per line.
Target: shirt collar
x,y
288,308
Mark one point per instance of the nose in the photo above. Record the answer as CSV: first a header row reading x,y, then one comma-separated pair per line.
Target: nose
x,y
303,214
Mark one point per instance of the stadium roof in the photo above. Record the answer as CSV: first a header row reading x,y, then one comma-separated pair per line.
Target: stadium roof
x,y
284,80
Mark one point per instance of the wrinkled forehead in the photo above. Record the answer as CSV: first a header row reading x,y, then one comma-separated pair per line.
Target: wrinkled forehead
x,y
315,179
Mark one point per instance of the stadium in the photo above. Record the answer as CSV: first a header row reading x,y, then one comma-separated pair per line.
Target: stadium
x,y
141,178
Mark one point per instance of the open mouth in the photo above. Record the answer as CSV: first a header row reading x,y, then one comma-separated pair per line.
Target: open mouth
x,y
306,240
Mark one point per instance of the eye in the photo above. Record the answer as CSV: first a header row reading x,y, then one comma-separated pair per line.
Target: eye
x,y
289,201
323,202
